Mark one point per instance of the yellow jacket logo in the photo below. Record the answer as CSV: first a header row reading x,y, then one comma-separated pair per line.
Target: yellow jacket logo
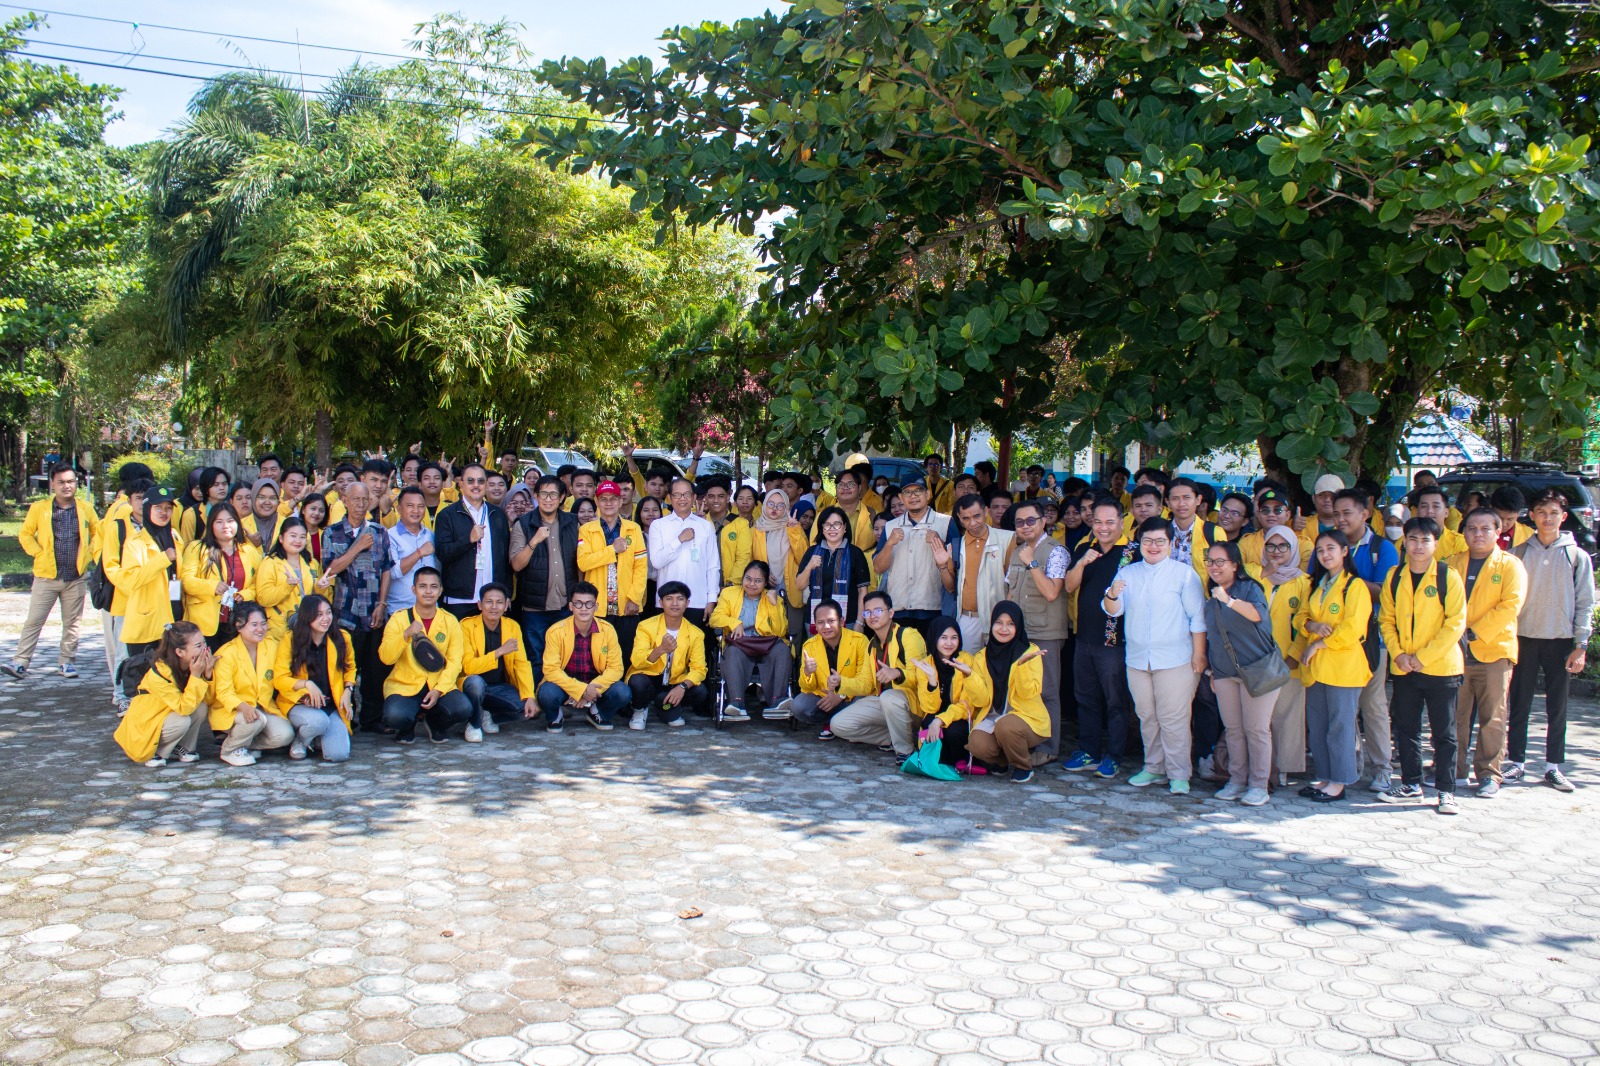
x,y
1430,592
267,676
1294,602
1494,579
1333,608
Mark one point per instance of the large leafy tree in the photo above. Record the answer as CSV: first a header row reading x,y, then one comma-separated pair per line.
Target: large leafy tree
x,y
1241,222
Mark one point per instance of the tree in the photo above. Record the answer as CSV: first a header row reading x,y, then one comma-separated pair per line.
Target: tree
x,y
1244,223
714,371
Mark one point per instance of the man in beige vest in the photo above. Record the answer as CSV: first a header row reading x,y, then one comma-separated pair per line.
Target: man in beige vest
x,y
1035,579
913,574
978,570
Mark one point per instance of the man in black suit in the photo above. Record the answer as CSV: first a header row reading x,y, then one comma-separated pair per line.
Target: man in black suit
x,y
472,541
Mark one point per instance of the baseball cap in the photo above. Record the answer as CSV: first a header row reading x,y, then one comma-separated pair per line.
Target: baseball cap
x,y
1273,496
1328,483
917,480
608,488
160,495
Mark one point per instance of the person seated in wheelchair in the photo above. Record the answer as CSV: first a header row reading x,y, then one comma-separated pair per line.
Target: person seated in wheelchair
x,y
752,621
668,671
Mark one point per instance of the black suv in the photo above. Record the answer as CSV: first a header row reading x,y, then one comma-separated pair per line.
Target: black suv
x,y
1532,479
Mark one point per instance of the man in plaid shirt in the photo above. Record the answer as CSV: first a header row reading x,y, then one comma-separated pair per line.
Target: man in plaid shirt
x,y
357,548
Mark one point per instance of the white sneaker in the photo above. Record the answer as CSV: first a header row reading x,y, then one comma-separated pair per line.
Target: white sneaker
x,y
240,757
730,713
489,725
1255,797
1230,791
156,763
638,719
1208,763
472,735
1382,781
297,750
183,755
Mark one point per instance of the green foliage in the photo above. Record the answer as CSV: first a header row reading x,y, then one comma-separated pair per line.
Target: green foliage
x,y
160,466
713,372
1235,223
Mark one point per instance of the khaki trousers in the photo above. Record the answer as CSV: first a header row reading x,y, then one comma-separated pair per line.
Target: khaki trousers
x,y
1161,698
1011,743
1485,691
1374,705
181,731
881,719
47,592
268,731
1289,729
1248,721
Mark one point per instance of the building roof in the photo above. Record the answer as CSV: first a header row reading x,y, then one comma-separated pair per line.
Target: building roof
x,y
1440,440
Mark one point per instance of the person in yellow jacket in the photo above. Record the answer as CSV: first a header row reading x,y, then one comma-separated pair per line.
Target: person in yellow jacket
x,y
285,576
613,557
496,676
734,536
849,488
1496,586
1009,671
668,669
885,718
1423,615
1329,644
583,665
1287,587
415,687
1190,532
146,571
315,677
243,700
1431,502
262,526
218,573
1274,508
214,488
164,720
62,534
949,693
120,522
836,667
753,609
941,490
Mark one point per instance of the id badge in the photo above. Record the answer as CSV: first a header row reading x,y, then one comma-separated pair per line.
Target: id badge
x,y
174,589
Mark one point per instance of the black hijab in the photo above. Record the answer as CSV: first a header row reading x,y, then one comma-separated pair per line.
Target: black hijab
x,y
1000,658
936,629
162,535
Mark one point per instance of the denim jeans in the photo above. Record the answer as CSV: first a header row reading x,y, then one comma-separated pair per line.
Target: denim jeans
x,y
400,713
310,724
613,700
807,713
534,624
502,701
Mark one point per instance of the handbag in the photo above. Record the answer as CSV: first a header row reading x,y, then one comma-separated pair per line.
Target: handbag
x,y
754,647
423,650
924,762
1267,674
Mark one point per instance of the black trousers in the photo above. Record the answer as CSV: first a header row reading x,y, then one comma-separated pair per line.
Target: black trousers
x,y
1069,688
1536,655
626,626
1205,720
1104,703
371,673
1413,693
649,691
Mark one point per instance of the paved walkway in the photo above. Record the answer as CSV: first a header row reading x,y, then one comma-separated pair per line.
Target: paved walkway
x,y
525,900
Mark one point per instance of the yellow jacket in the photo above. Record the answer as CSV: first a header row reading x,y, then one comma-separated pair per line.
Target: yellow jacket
x,y
201,604
139,733
604,648
407,678
858,675
120,508
247,526
235,680
771,619
1203,535
1452,520
791,563
1450,545
1346,605
967,694
38,537
1283,604
141,574
338,680
1024,691
113,534
688,662
1250,544
1520,531
1496,601
595,556
280,595
942,495
186,520
735,542
478,659
905,646
1426,621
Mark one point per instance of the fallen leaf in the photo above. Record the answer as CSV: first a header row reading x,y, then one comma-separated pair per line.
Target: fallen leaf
x,y
691,912
448,932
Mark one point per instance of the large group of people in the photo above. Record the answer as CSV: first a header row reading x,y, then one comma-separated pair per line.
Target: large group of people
x,y
1146,626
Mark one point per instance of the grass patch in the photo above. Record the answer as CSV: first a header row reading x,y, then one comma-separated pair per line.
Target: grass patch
x,y
13,560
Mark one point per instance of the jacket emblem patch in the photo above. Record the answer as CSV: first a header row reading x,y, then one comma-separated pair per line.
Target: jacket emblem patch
x,y
1430,592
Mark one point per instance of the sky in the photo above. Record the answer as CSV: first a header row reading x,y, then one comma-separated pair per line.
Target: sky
x,y
153,103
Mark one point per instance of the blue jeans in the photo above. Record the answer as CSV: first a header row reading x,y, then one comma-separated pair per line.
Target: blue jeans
x,y
502,701
400,713
613,700
807,713
311,724
534,624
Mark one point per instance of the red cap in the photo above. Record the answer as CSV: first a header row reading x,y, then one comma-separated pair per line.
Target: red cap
x,y
608,488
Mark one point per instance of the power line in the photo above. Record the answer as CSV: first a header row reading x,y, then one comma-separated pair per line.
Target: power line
x,y
263,40
163,59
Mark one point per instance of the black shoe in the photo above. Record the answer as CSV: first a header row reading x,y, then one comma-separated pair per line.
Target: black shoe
x,y
409,737
1326,797
594,719
436,735
553,724
1309,792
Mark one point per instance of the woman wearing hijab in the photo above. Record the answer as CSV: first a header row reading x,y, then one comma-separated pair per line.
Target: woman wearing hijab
x,y
834,568
950,694
1007,685
260,526
780,542
1287,586
146,571
518,502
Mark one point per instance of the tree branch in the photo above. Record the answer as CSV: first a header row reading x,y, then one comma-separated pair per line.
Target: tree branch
x,y
1285,62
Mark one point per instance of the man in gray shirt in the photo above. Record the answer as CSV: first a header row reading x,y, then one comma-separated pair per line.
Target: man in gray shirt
x,y
544,554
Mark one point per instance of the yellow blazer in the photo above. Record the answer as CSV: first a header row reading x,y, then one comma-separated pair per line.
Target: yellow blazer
x,y
966,693
1204,535
791,563
1426,622
478,659
1283,604
113,534
858,675
1496,601
942,495
1347,607
604,648
1024,691
905,646
279,594
248,525
771,618
688,662
1450,545
141,574
338,680
735,542
139,733
633,565
407,678
235,680
38,537
201,604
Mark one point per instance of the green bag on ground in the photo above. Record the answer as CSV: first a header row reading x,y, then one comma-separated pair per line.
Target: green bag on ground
x,y
924,762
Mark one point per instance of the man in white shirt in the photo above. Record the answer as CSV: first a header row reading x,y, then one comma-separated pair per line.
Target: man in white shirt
x,y
471,540
410,546
683,547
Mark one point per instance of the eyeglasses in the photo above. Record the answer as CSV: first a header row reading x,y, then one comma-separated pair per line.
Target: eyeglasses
x,y
1153,542
1232,512
1218,562
1276,546
1029,521
474,481
584,605
549,494
874,612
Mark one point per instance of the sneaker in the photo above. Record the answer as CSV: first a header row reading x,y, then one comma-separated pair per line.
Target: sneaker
x,y
1447,803
1145,777
1558,781
69,671
1208,764
1462,782
1382,781
185,755
1079,760
677,723
240,757
1489,789
297,751
472,735
1179,786
436,736
1021,775
1107,768
592,716
553,724
825,734
121,703
638,719
408,737
1514,771
13,669
735,713
156,763
783,709
489,725
1401,794
1229,792
1255,797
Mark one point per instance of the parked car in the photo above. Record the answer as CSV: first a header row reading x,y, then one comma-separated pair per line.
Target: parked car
x,y
549,460
715,464
1532,479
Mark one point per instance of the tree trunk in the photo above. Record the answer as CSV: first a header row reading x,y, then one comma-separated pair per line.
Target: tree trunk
x,y
21,486
324,439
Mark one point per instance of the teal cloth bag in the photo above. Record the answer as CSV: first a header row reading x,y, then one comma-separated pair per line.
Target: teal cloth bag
x,y
924,762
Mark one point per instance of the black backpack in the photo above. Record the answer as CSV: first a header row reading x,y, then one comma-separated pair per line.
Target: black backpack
x,y
1373,641
1441,578
131,671
101,591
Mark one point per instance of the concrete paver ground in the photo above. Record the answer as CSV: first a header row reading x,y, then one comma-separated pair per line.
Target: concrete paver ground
x,y
521,901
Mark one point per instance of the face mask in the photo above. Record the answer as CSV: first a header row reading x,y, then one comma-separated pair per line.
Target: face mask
x,y
1393,532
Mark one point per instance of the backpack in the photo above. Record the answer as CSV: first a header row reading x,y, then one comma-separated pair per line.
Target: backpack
x,y
131,671
101,591
1372,643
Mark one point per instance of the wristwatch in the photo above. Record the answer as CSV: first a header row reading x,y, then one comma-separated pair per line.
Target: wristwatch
x,y
1032,566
